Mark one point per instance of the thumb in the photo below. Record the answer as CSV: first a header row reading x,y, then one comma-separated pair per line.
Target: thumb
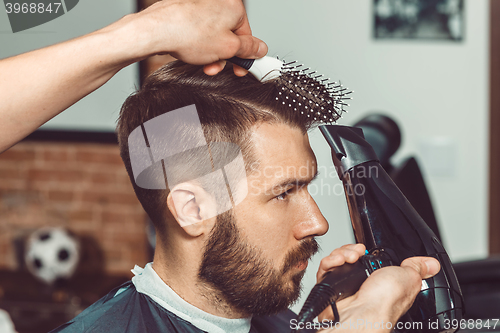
x,y
251,47
426,266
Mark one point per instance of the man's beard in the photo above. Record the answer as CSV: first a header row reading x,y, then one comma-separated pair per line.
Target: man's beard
x,y
245,280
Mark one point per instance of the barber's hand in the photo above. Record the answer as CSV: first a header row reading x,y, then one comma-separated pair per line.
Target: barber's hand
x,y
199,32
387,293
349,253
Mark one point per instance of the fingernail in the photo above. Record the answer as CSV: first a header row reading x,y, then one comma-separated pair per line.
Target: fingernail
x,y
433,267
262,50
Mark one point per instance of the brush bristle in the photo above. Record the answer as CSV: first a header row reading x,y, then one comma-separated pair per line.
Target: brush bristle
x,y
311,94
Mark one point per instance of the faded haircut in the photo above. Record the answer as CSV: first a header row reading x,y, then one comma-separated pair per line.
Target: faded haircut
x,y
228,107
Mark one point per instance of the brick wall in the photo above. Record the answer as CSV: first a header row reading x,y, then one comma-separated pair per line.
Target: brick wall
x,y
83,187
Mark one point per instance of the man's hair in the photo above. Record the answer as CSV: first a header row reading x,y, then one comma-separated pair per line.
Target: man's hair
x,y
228,106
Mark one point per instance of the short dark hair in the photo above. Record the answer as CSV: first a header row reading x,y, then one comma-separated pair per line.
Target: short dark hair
x,y
228,106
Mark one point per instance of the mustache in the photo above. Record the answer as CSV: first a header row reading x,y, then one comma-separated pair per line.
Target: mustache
x,y
302,253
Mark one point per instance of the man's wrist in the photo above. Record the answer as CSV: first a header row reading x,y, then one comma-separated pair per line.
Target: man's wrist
x,y
126,41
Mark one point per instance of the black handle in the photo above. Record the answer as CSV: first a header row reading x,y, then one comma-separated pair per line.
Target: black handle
x,y
245,63
339,283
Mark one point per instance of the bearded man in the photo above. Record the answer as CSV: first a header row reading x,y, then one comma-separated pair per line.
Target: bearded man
x,y
228,263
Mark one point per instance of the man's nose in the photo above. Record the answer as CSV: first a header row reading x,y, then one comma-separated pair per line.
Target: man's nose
x,y
311,222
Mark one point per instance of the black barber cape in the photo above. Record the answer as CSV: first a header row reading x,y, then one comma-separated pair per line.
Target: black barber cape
x,y
134,312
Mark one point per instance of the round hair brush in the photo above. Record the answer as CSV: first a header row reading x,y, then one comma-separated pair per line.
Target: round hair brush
x,y
301,89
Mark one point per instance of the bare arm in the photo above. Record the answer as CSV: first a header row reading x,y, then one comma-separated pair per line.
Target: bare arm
x,y
38,85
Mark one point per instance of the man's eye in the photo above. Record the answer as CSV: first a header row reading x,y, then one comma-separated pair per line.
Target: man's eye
x,y
283,195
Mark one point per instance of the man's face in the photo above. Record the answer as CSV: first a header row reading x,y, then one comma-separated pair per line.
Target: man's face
x,y
257,253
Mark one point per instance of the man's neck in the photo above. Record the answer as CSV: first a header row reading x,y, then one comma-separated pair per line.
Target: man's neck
x,y
178,268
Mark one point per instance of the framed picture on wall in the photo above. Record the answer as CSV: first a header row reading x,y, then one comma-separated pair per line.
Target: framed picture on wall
x,y
418,19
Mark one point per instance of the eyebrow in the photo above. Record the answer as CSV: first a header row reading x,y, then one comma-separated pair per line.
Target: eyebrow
x,y
294,182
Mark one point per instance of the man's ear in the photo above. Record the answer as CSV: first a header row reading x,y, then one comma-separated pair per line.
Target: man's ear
x,y
190,205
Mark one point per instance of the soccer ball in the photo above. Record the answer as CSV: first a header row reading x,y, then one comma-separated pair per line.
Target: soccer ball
x,y
51,254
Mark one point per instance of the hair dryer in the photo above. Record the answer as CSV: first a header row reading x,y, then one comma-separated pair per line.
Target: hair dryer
x,y
384,220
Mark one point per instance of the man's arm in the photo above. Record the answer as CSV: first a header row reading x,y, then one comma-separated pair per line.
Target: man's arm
x,y
38,85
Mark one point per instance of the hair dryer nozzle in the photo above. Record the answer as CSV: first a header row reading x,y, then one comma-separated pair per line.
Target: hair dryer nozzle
x,y
348,147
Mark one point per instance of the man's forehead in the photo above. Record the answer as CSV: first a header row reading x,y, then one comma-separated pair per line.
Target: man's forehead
x,y
283,151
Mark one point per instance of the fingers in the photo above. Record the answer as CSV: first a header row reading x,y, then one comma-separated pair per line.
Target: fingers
x,y
388,292
426,267
359,248
251,47
256,47
214,68
198,32
239,71
399,286
349,253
